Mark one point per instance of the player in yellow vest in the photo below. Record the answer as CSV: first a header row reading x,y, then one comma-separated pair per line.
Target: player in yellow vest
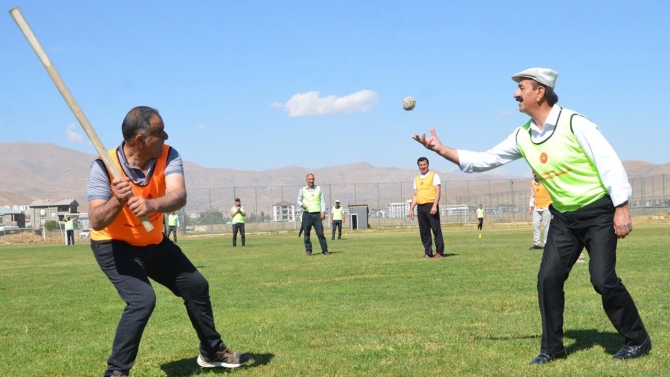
x,y
313,204
426,198
237,213
69,228
538,207
173,225
480,219
589,189
152,184
337,218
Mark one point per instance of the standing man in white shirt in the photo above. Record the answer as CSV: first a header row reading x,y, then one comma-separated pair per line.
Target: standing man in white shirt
x,y
589,188
426,198
337,218
69,227
480,219
238,214
173,225
313,204
538,207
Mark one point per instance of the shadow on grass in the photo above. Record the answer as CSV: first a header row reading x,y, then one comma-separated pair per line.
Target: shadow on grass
x,y
189,366
585,339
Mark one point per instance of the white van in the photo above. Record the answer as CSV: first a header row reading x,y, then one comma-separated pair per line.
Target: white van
x,y
9,229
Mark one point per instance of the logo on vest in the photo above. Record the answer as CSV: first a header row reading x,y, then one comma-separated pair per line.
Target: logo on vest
x,y
543,158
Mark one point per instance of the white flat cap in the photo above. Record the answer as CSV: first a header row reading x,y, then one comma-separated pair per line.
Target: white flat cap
x,y
545,76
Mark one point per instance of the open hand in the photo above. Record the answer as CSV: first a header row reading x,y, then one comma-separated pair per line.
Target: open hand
x,y
433,142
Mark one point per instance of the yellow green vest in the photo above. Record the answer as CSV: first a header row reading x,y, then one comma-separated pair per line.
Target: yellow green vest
x,y
567,173
337,213
238,218
172,220
312,198
69,224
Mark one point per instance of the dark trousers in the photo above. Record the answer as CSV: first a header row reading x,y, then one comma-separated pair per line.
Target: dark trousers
x,y
481,223
172,229
70,236
337,225
309,220
592,227
129,269
428,222
238,227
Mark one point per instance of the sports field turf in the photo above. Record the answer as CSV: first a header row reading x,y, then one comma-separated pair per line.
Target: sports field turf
x,y
373,308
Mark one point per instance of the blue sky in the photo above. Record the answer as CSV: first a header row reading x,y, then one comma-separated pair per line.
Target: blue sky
x,y
256,85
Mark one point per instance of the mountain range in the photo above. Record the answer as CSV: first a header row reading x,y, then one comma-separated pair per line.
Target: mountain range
x,y
34,171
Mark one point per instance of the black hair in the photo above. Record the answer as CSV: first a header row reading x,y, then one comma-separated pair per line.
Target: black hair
x,y
138,121
422,159
549,95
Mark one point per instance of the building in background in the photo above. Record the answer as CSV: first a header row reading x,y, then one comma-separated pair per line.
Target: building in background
x,y
399,210
11,217
42,211
284,211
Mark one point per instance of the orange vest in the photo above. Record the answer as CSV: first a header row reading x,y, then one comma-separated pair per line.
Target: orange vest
x,y
542,198
425,191
128,227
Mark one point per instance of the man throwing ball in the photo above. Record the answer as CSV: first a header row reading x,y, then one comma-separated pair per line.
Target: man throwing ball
x,y
589,189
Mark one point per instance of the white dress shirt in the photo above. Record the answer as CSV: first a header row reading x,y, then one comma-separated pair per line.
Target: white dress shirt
x,y
594,144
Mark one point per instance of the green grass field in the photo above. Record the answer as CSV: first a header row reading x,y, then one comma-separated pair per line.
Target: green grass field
x,y
373,308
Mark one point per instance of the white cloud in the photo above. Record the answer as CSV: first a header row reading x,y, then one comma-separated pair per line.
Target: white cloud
x,y
201,127
72,135
503,113
311,104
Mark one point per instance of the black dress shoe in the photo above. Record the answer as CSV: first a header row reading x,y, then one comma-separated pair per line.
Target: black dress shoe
x,y
544,358
631,352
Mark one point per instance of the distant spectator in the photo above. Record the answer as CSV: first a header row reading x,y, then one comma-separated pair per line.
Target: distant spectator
x,y
69,228
539,208
337,218
238,214
480,218
173,225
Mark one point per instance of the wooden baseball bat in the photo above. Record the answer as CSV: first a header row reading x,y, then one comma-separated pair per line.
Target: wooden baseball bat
x,y
67,96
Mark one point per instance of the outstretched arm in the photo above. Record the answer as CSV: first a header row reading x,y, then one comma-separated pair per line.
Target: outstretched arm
x,y
434,144
473,162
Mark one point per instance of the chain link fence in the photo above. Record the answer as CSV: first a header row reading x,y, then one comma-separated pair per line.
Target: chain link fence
x,y
273,208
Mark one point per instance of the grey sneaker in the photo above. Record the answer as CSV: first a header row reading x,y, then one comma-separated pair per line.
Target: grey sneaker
x,y
225,358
